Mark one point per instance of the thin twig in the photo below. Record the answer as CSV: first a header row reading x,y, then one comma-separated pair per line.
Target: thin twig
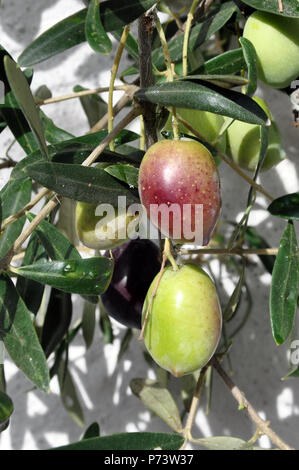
x,y
124,101
244,404
186,36
280,5
234,251
79,94
193,408
44,192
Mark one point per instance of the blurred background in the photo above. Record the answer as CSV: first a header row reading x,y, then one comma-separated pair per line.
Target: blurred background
x,y
39,420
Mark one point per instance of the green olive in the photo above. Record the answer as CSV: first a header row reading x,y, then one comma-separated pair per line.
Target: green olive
x,y
184,323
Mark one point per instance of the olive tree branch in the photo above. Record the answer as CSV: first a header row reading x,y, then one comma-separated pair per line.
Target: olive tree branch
x,y
170,71
145,24
262,425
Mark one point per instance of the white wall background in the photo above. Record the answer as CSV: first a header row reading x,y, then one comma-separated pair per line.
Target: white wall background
x,y
40,421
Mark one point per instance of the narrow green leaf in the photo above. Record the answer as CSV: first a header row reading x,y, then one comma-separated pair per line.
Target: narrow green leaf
x,y
31,291
225,81
11,112
92,431
286,207
125,342
106,327
53,134
69,395
126,173
88,323
95,33
129,441
251,62
13,197
90,276
284,286
6,407
17,123
290,7
19,336
224,443
186,94
159,400
234,300
227,63
78,149
86,184
26,101
71,31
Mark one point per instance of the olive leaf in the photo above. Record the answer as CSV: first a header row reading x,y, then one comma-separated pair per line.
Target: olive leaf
x,y
158,399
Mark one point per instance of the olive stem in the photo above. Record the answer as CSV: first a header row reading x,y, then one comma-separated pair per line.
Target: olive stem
x,y
229,162
170,71
142,134
262,425
164,258
79,94
186,36
167,250
114,70
193,407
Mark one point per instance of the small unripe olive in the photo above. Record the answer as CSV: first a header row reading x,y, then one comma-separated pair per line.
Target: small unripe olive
x,y
244,143
207,124
184,323
276,41
101,232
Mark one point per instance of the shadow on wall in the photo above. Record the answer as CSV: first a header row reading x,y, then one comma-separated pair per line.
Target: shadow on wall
x,y
15,12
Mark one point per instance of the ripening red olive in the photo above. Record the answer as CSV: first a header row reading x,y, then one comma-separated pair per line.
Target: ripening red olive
x,y
175,178
136,263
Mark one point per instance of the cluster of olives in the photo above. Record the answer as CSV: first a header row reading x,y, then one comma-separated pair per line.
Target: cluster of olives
x,y
183,315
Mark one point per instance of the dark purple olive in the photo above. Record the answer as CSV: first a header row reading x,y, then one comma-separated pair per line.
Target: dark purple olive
x,y
136,264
